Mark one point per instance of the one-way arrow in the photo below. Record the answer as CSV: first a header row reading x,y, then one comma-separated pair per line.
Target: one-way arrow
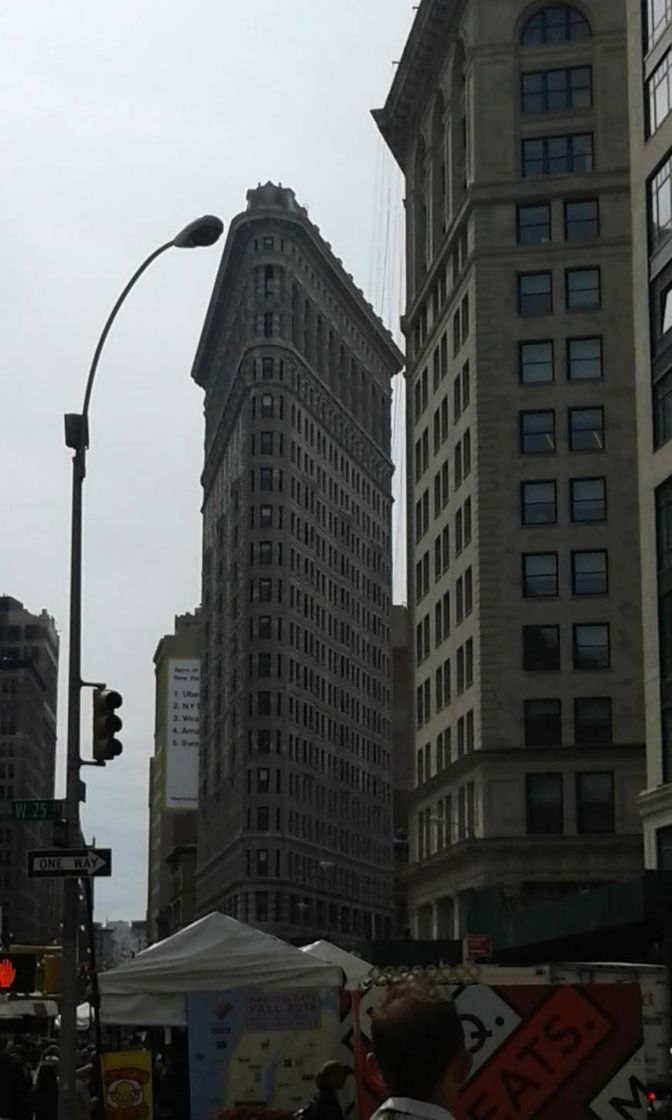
x,y
77,863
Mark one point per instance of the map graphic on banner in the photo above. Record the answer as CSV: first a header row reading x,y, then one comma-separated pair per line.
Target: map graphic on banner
x,y
256,1047
549,1052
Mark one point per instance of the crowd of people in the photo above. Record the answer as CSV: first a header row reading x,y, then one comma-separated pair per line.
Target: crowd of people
x,y
29,1080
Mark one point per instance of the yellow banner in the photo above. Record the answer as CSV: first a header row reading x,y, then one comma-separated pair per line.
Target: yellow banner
x,y
127,1085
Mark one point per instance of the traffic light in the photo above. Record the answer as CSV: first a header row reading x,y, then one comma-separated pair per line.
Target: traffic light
x,y
106,724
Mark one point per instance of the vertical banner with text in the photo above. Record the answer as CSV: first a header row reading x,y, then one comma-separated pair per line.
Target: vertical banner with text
x,y
182,733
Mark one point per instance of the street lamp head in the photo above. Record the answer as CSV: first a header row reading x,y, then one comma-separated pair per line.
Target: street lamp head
x,y
199,233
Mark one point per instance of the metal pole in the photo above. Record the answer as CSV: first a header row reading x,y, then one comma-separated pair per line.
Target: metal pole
x,y
67,1100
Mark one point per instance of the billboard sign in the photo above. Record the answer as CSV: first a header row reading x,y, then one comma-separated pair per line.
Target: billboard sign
x,y
182,733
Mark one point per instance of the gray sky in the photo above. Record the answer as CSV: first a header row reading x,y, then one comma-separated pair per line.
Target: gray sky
x,y
120,121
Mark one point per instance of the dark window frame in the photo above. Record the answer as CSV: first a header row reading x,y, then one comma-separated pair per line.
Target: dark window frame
x,y
525,578
551,654
582,734
545,94
572,19
589,665
526,439
548,740
533,167
581,224
575,503
583,307
573,361
547,309
523,365
576,577
524,207
583,808
573,432
523,505
539,824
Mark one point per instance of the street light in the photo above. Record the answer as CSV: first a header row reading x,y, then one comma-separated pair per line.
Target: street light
x,y
201,232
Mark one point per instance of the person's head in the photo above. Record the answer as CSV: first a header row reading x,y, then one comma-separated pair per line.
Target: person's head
x,y
47,1077
332,1075
418,1044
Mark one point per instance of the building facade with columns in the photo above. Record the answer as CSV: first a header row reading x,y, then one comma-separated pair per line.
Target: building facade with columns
x,y
509,120
295,799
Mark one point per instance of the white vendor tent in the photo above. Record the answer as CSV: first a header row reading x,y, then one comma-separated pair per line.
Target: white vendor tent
x,y
356,970
216,953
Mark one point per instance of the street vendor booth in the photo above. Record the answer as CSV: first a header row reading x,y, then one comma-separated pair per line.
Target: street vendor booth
x,y
261,1016
215,954
355,969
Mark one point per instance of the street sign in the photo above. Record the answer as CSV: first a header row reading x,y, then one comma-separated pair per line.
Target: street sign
x,y
477,947
76,863
32,810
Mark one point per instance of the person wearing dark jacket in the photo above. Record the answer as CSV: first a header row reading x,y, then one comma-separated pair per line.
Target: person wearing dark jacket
x,y
12,1086
330,1079
44,1096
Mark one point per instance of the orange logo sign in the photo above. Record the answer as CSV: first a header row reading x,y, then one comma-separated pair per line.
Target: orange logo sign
x,y
7,973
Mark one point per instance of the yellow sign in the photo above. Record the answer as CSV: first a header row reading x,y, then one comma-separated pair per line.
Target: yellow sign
x,y
127,1085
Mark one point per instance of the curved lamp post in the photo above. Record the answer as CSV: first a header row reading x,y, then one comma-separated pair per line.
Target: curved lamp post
x,y
201,232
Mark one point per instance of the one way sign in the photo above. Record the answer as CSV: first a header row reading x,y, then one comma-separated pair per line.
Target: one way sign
x,y
77,863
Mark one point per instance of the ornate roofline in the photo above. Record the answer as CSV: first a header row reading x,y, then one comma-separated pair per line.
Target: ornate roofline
x,y
279,203
416,75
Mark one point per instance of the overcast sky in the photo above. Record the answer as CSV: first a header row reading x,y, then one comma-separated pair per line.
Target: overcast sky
x,y
121,121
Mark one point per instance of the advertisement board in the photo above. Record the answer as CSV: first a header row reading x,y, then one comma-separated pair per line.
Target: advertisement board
x,y
259,1048
542,1051
182,733
127,1085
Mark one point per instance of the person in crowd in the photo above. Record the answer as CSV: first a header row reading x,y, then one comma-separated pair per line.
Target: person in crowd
x,y
12,1098
419,1053
329,1081
44,1095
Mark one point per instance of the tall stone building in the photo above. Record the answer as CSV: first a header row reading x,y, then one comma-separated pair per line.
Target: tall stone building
x,y
171,895
28,693
509,120
650,70
295,809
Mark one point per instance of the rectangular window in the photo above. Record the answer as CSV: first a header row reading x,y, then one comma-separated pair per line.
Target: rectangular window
x,y
538,503
265,590
659,15
591,648
265,625
588,499
265,552
544,804
582,289
660,206
595,803
535,362
659,93
664,848
582,220
535,293
664,525
268,324
584,359
586,429
555,155
662,409
547,91
533,224
540,574
541,649
592,720
590,572
537,432
543,723
266,517
266,443
266,478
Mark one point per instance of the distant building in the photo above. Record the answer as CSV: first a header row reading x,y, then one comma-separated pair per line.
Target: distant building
x,y
402,758
127,939
103,938
173,780
28,690
295,800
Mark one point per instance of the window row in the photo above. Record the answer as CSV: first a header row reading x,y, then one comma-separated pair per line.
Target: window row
x,y
534,222
464,604
464,678
591,647
589,573
592,722
582,291
585,430
557,155
547,91
536,360
544,798
587,501
430,762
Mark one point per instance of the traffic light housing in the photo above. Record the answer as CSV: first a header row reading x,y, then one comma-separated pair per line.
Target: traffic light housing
x,y
106,724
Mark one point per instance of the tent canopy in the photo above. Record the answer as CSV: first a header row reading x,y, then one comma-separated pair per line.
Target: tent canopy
x,y
216,953
356,970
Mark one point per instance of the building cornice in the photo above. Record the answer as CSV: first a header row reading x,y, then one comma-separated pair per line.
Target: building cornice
x,y
243,228
416,75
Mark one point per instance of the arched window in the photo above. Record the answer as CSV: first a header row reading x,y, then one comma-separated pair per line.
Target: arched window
x,y
555,24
